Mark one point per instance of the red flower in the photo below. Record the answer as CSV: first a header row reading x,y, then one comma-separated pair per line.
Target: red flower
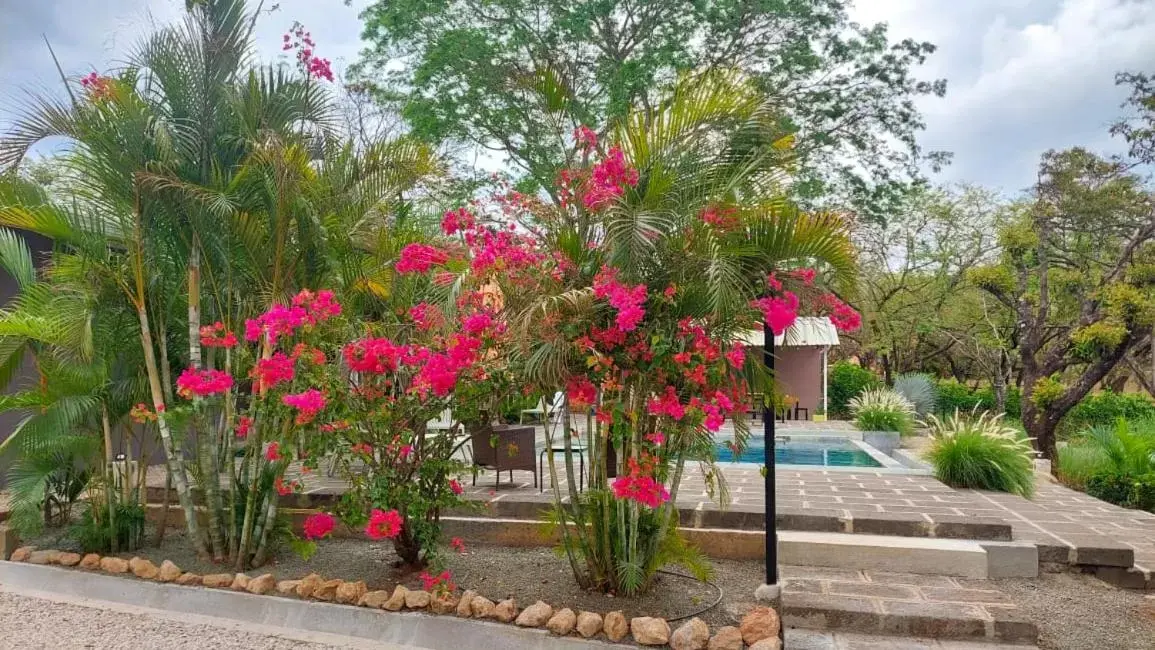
x,y
457,544
202,383
318,525
383,524
215,336
275,370
417,258
581,392
273,452
244,424
455,487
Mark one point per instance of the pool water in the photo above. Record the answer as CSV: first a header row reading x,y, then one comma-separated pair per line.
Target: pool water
x,y
833,453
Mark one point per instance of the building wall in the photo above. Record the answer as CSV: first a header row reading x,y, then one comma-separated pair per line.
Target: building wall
x,y
798,371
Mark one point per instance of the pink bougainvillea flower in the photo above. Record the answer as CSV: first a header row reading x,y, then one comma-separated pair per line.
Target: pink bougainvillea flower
x,y
640,485
216,336
457,544
627,300
806,276
585,137
273,452
318,525
418,258
319,307
373,356
456,221
140,414
277,369
656,438
667,404
383,524
442,583
736,355
778,312
477,323
244,425
362,449
455,487
581,392
842,315
284,488
608,180
202,383
308,404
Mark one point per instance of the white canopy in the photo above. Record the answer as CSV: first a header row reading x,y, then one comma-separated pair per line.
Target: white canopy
x,y
806,330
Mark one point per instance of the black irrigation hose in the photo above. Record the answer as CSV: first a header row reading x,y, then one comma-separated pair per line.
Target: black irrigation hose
x,y
700,611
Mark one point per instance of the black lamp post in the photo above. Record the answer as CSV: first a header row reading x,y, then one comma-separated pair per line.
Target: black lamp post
x,y
769,592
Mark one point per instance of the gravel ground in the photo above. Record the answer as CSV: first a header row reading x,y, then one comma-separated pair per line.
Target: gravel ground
x,y
1078,612
34,623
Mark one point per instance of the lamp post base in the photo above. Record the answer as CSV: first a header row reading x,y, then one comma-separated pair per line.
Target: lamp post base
x,y
770,595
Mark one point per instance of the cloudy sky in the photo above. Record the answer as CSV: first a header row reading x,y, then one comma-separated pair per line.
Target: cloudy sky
x,y
1024,75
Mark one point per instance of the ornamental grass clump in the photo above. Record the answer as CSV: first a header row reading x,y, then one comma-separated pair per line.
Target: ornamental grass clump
x,y
882,409
982,453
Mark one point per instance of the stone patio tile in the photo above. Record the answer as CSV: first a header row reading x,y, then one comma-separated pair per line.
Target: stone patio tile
x,y
872,590
914,579
805,585
887,523
866,642
935,620
964,527
1012,624
823,611
960,595
1100,550
821,573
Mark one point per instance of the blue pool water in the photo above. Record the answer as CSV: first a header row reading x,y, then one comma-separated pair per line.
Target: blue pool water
x,y
823,453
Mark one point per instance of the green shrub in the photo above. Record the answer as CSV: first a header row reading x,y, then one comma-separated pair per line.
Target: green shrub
x,y
1143,493
1077,463
1111,487
981,453
918,389
1107,407
1127,447
93,534
882,409
847,380
954,396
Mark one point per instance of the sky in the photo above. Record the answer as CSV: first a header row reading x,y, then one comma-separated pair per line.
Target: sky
x,y
1024,76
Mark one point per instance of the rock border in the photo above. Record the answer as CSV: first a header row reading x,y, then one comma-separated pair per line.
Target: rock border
x,y
760,627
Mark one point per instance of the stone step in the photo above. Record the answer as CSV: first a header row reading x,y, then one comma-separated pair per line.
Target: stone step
x,y
937,607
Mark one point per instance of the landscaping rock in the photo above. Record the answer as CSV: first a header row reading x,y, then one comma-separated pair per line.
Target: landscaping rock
x,y
113,565
397,600
143,568
90,562
443,604
218,580
327,590
482,607
615,626
189,579
463,605
506,610
288,587
374,599
240,582
694,634
262,585
562,622
760,623
350,592
417,599
308,585
588,624
44,557
773,643
536,615
727,638
21,554
9,541
650,631
69,559
168,572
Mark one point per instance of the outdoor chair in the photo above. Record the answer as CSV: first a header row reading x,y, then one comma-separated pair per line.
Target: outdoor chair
x,y
545,412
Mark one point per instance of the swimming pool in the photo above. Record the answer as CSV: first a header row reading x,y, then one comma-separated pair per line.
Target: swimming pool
x,y
821,452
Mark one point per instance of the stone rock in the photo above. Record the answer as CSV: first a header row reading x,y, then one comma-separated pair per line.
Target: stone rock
x,y
44,557
240,582
143,568
536,615
615,626
562,622
168,572
374,599
189,579
113,565
327,590
588,624
444,604
21,554
694,634
90,561
727,638
218,580
397,600
482,607
262,585
463,605
350,592
288,587
69,559
773,643
417,599
760,623
307,585
650,631
506,610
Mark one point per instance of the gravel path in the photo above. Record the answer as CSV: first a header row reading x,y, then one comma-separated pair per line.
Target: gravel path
x,y
34,623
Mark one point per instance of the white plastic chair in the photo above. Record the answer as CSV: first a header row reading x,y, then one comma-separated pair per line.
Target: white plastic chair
x,y
545,411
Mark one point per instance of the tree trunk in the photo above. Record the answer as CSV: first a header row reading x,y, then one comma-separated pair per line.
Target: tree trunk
x,y
1040,427
171,452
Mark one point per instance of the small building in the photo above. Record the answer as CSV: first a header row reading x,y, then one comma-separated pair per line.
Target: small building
x,y
800,360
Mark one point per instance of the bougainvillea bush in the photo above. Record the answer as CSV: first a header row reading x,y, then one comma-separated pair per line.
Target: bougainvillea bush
x,y
663,243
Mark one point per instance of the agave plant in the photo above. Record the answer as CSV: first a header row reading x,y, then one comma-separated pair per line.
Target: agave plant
x,y
919,389
981,452
882,409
